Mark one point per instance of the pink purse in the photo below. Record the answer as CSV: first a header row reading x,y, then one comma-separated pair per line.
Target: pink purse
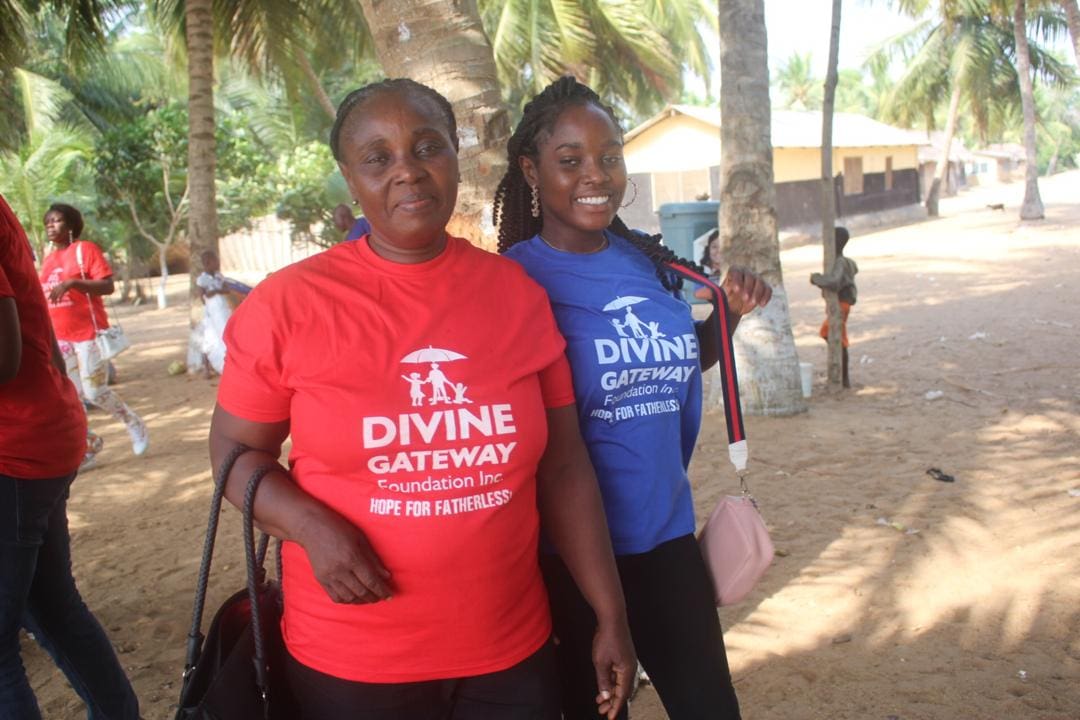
x,y
734,540
736,547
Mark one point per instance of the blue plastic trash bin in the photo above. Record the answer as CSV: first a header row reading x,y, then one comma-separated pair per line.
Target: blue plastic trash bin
x,y
680,224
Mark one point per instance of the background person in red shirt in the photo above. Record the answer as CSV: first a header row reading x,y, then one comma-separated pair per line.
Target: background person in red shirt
x,y
74,293
42,437
411,513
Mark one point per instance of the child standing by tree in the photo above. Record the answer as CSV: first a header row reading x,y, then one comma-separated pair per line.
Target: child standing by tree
x,y
841,280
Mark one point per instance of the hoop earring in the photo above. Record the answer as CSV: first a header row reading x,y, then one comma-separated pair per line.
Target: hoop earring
x,y
535,210
634,196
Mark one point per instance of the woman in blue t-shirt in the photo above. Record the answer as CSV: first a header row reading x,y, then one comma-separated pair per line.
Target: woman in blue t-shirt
x,y
637,358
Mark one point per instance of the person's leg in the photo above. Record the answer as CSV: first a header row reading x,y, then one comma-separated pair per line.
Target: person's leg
x,y
574,627
63,625
844,360
526,691
320,696
93,372
673,620
25,506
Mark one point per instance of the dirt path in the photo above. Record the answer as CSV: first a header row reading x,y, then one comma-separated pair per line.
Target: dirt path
x,y
973,612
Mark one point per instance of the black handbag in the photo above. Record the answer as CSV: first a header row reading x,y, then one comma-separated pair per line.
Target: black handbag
x,y
237,672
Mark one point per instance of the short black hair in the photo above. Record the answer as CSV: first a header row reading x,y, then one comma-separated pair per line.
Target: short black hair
x,y
405,86
72,217
513,197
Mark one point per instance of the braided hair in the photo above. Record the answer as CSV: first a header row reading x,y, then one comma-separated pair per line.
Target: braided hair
x,y
404,86
513,197
72,217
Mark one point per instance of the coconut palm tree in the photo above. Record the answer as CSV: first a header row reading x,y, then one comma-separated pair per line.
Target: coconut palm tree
x,y
632,53
764,345
441,43
84,27
1032,207
1072,12
202,154
799,89
966,54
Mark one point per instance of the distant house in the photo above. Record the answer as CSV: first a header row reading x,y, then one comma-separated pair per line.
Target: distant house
x,y
996,164
675,157
960,160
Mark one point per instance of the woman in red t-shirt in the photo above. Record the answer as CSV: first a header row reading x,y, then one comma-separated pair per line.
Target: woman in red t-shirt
x,y
42,431
425,389
75,276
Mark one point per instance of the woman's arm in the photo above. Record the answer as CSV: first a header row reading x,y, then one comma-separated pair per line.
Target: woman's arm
x,y
573,517
745,290
102,286
341,557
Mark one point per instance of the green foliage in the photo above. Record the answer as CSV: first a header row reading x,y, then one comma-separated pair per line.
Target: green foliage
x,y
245,174
308,195
141,174
49,167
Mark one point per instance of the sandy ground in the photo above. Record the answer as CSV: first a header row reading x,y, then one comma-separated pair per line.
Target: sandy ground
x,y
896,596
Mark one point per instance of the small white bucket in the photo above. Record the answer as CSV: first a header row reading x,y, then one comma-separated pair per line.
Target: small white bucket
x,y
806,374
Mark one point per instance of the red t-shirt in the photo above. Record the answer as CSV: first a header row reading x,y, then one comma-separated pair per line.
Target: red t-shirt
x,y
71,316
416,396
42,423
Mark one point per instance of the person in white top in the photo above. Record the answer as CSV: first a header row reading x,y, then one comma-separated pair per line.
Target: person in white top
x,y
215,297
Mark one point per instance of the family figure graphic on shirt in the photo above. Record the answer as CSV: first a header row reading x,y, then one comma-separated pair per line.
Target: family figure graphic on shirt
x,y
441,387
639,328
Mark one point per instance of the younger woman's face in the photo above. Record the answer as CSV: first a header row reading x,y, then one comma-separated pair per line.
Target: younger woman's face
x,y
579,172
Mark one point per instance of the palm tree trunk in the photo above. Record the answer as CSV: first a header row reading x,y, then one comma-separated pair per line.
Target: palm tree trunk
x,y
316,84
202,153
441,43
764,346
1072,10
828,201
1032,209
942,170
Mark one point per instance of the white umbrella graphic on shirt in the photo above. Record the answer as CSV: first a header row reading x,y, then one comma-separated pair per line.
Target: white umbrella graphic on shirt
x,y
620,302
436,378
631,320
432,354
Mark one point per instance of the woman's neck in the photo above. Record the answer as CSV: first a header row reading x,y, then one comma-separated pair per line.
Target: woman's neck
x,y
403,253
585,243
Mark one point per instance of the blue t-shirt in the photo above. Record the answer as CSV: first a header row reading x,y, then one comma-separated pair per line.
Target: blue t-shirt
x,y
633,350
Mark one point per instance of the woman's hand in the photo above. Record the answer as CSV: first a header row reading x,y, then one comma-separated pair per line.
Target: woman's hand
x,y
615,664
59,290
343,560
745,291
341,557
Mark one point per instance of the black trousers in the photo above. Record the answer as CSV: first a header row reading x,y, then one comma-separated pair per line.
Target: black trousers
x,y
526,691
673,621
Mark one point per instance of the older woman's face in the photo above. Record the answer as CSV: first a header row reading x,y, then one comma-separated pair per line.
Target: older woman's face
x,y
401,166
56,227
